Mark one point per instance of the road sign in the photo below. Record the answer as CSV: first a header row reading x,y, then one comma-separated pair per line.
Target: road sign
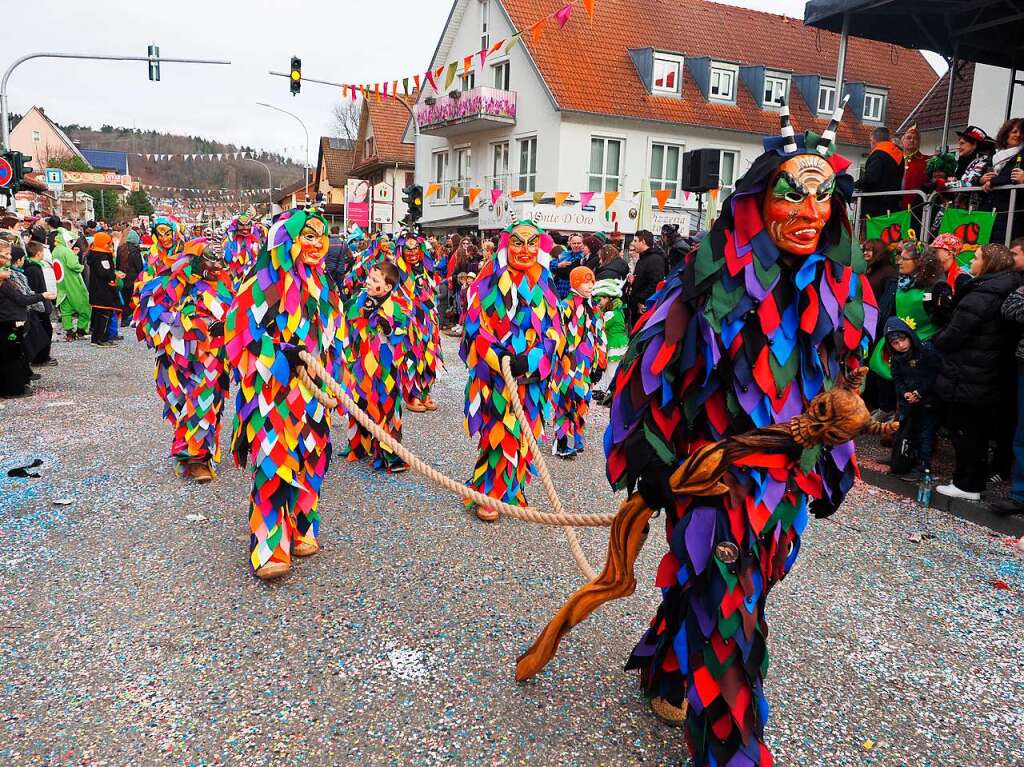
x,y
6,172
54,177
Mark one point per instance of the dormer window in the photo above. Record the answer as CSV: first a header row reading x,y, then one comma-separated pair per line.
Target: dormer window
x,y
776,89
826,97
874,106
668,71
723,82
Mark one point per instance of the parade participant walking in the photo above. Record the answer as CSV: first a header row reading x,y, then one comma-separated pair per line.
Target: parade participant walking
x,y
72,295
513,312
158,293
104,297
242,244
190,330
285,305
376,345
766,315
581,365
420,284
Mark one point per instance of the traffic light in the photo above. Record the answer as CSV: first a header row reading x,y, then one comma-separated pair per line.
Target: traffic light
x,y
413,198
19,163
296,75
154,62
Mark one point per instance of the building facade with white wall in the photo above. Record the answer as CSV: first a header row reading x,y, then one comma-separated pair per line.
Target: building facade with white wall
x,y
604,104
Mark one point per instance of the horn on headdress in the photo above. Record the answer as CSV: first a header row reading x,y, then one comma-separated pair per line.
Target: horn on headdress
x,y
829,134
786,129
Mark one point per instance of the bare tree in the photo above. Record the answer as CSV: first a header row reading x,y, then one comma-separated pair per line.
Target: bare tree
x,y
346,119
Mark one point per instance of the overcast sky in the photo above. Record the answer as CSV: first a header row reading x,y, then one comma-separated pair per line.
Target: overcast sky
x,y
339,40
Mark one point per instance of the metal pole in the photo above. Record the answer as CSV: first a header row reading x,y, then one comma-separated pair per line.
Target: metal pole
x,y
415,125
1009,92
270,182
844,39
304,129
5,132
949,98
1009,216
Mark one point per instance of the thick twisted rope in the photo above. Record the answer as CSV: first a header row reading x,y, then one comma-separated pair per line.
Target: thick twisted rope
x,y
336,395
542,468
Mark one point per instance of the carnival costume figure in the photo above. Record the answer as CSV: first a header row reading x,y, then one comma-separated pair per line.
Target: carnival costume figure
x,y
378,249
377,343
281,431
581,365
72,294
242,244
512,312
420,283
159,292
192,336
769,313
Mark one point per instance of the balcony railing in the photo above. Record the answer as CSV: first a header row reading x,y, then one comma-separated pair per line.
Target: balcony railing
x,y
481,108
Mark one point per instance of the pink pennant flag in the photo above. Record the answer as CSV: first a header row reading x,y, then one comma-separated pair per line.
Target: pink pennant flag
x,y
483,57
385,91
686,196
432,81
495,195
585,198
562,14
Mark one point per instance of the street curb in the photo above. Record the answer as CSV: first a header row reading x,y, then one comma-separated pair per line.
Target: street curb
x,y
969,510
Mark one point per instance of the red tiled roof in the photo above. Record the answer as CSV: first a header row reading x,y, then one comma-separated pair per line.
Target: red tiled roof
x,y
338,156
587,67
389,120
931,113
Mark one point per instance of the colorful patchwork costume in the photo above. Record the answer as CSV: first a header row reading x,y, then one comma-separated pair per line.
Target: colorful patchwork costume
x,y
583,359
189,333
242,244
767,315
281,431
158,293
376,344
512,312
420,283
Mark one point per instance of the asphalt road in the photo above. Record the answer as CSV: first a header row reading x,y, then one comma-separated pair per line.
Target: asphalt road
x,y
132,632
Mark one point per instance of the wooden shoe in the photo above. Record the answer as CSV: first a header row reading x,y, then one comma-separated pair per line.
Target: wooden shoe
x,y
673,716
304,548
485,514
429,403
417,406
200,472
272,570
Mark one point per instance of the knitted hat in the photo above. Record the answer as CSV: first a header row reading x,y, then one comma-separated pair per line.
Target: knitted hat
x,y
609,287
102,243
950,242
579,275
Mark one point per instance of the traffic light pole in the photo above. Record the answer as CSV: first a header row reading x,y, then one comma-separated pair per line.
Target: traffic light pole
x,y
412,115
5,130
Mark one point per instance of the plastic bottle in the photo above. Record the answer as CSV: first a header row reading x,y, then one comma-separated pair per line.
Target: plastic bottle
x,y
924,489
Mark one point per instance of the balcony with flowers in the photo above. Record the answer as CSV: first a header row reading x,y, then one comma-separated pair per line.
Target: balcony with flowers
x,y
469,111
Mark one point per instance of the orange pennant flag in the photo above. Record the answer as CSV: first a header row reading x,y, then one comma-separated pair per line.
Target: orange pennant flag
x,y
713,194
516,193
394,88
609,199
588,6
433,189
560,197
474,192
537,30
662,195
466,64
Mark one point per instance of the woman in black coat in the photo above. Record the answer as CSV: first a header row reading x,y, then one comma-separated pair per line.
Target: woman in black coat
x,y
611,264
972,345
14,306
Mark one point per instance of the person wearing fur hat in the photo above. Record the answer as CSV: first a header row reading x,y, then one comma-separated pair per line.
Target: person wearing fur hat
x,y
581,365
608,295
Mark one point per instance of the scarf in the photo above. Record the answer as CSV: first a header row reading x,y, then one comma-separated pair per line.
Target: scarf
x,y
1003,156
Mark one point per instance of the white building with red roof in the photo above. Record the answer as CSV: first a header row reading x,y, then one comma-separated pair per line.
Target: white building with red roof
x,y
606,102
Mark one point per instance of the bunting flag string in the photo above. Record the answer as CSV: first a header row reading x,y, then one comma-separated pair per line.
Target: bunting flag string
x,y
585,199
450,70
211,156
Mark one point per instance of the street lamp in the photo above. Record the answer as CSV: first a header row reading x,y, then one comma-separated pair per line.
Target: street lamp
x,y
292,114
